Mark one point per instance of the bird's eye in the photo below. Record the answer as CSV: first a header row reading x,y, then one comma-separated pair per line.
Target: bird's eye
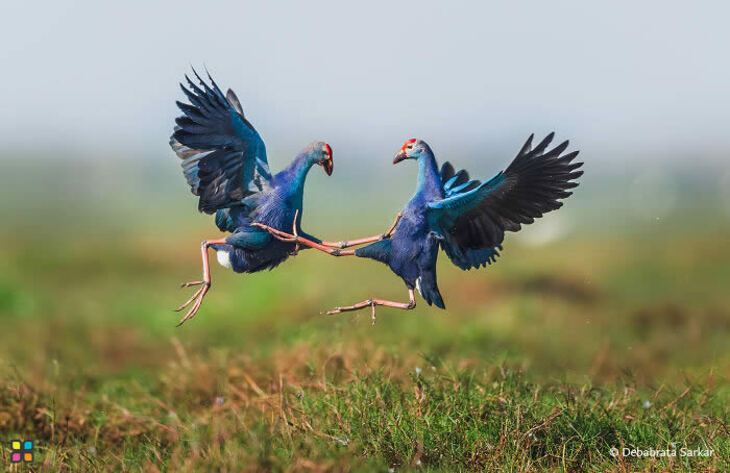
x,y
409,147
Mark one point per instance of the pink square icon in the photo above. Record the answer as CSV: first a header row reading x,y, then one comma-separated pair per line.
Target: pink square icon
x,y
15,458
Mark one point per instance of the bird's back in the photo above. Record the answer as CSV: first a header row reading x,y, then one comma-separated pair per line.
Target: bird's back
x,y
409,249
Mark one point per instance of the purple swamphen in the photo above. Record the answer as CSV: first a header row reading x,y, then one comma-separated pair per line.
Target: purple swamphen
x,y
465,218
224,162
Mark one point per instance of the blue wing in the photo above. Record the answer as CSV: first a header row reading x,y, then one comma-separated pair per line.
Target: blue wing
x,y
224,158
473,216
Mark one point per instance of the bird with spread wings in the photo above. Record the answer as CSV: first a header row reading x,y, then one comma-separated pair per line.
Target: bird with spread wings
x,y
224,162
464,217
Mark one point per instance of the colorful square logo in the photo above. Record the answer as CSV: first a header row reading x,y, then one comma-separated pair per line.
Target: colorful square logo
x,y
21,451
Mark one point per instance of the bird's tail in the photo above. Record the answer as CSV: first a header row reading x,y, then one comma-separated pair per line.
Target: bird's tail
x,y
379,251
429,290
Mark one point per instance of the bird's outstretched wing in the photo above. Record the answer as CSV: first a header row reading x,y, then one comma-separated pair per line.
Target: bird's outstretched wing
x,y
224,158
473,216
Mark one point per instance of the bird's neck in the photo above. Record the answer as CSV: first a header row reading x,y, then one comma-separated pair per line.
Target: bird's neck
x,y
296,173
429,183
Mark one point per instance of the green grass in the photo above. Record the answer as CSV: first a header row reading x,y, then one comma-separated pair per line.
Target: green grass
x,y
224,411
543,362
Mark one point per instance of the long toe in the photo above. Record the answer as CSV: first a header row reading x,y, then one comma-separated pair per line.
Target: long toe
x,y
198,296
191,313
193,297
189,301
192,283
287,239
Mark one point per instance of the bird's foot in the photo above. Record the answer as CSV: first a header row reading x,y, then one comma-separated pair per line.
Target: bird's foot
x,y
373,304
197,298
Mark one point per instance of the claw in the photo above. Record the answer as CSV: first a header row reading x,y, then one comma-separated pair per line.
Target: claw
x,y
198,298
194,296
294,231
204,283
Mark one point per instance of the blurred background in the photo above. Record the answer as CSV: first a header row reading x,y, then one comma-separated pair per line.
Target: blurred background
x,y
628,279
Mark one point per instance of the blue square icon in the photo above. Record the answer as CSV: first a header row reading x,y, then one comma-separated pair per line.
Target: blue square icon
x,y
28,445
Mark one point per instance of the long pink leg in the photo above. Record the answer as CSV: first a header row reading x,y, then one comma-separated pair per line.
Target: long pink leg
x,y
372,303
362,241
326,245
288,237
204,284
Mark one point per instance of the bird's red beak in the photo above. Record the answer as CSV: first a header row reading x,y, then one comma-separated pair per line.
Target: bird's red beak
x,y
400,156
328,164
402,153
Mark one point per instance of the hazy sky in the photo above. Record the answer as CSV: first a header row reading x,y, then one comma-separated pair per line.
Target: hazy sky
x,y
632,76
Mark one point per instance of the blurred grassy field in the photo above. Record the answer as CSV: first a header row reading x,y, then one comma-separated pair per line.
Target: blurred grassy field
x,y
598,339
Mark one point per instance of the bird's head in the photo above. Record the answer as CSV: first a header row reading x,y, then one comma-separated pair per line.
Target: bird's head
x,y
411,149
320,153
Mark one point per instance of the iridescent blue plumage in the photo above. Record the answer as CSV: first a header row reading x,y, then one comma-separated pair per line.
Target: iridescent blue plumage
x,y
252,249
467,218
224,161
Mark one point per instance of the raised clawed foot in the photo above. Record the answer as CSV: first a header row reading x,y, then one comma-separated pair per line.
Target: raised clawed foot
x,y
361,305
373,303
196,299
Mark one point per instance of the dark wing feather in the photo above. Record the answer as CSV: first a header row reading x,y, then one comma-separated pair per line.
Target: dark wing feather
x,y
224,158
473,216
